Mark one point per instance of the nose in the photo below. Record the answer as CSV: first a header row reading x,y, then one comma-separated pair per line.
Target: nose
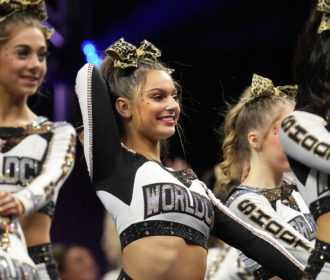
x,y
172,104
34,62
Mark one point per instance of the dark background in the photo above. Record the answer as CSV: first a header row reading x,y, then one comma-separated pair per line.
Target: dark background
x,y
215,47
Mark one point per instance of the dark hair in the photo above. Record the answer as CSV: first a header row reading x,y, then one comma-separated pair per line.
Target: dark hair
x,y
311,67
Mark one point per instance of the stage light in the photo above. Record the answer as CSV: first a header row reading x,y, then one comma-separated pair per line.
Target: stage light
x,y
89,49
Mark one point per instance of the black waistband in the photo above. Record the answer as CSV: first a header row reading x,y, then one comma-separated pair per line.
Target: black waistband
x,y
41,253
320,206
152,228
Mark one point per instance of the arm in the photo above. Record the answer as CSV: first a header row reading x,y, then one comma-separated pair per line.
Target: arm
x,y
305,139
57,165
254,243
102,147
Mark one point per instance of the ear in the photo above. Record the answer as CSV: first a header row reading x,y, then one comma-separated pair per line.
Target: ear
x,y
123,107
254,140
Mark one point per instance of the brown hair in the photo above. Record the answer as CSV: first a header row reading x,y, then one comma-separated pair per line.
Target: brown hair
x,y
19,18
240,119
128,83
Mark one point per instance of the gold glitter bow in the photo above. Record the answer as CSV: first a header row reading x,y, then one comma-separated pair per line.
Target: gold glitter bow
x,y
263,87
127,55
36,8
323,6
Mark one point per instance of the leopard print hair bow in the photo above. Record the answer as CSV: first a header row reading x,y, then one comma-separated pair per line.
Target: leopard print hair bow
x,y
127,55
36,8
263,87
323,6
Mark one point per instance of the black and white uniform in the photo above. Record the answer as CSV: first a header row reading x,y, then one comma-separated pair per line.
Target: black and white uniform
x,y
146,199
34,162
306,141
280,212
223,262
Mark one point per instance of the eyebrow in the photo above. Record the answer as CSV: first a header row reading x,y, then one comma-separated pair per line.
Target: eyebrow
x,y
162,90
27,46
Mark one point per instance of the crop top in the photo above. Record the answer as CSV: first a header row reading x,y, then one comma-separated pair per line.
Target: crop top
x,y
145,198
280,212
306,141
35,161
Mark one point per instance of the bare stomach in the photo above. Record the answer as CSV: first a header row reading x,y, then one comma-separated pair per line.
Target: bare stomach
x,y
36,228
323,230
164,258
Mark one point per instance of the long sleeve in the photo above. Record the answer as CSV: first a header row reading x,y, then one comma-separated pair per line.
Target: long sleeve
x,y
305,139
253,242
56,166
102,146
256,210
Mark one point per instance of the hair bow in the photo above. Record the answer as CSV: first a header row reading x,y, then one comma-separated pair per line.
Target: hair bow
x,y
263,87
35,7
127,55
323,6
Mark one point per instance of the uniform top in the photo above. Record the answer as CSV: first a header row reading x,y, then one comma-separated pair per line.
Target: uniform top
x,y
280,212
35,161
143,197
306,141
146,199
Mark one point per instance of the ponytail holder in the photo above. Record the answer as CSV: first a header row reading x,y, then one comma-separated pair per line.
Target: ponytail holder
x,y
323,6
126,55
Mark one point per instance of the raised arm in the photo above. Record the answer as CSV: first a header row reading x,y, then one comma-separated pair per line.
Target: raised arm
x,y
101,136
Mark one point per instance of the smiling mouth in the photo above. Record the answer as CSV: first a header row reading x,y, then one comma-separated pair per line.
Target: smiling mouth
x,y
168,119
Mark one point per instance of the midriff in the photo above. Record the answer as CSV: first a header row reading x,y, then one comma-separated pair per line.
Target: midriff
x,y
323,227
36,228
164,258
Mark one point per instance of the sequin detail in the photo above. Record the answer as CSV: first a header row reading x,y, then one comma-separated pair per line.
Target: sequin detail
x,y
41,253
319,256
262,274
152,228
320,206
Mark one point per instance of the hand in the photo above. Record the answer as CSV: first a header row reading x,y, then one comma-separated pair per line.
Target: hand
x,y
10,205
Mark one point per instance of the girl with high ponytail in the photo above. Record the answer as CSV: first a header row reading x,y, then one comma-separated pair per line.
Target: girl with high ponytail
x,y
264,199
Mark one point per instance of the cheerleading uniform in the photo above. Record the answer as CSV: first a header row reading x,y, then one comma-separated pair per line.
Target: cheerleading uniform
x,y
145,198
306,140
223,262
34,162
280,212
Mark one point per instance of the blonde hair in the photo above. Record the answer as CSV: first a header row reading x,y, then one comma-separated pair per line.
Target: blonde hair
x,y
257,114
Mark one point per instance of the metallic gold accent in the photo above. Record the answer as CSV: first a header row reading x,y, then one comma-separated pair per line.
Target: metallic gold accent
x,y
323,6
127,55
35,8
263,87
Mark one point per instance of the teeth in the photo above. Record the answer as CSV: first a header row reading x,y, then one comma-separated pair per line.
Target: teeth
x,y
168,119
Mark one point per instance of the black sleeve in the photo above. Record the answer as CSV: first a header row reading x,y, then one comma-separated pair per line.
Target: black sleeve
x,y
256,245
102,147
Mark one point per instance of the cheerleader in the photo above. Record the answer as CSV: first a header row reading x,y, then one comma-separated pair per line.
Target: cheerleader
x,y
163,217
305,132
36,155
264,200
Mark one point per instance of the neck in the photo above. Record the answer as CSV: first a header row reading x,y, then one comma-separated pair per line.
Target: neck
x,y
262,175
14,111
149,149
